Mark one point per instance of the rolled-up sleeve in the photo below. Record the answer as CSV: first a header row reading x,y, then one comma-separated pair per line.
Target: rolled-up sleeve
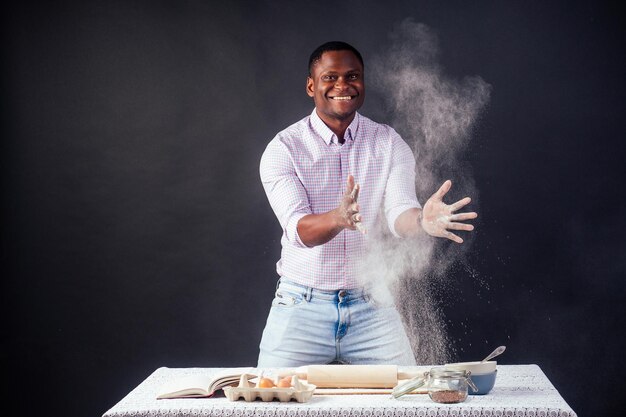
x,y
400,190
284,190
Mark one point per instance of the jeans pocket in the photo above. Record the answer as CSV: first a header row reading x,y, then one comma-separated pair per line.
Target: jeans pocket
x,y
285,299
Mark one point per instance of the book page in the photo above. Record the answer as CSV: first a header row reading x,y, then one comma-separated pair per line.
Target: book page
x,y
188,385
202,385
229,376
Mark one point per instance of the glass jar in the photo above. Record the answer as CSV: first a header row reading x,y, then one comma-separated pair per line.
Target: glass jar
x,y
449,386
444,386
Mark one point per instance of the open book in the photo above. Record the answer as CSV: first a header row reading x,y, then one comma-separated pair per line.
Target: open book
x,y
197,386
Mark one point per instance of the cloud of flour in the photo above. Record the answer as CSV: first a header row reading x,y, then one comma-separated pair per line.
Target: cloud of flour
x,y
434,114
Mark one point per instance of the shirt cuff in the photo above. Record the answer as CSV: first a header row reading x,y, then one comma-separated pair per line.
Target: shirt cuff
x,y
393,215
291,230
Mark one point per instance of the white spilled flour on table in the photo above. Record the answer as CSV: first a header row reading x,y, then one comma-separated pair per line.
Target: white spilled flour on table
x,y
435,115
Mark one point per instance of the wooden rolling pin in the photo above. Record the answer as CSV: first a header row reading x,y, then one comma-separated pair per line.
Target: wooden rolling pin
x,y
353,376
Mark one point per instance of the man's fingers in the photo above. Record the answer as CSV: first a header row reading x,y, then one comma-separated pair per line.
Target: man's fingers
x,y
460,226
445,187
463,216
349,184
352,189
350,207
460,204
355,192
453,237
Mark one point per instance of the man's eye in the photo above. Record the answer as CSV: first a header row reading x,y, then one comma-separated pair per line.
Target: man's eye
x,y
328,78
353,76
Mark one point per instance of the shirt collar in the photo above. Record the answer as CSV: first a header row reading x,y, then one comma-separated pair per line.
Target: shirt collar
x,y
328,135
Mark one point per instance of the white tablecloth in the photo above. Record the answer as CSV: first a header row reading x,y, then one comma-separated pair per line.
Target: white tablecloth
x,y
520,390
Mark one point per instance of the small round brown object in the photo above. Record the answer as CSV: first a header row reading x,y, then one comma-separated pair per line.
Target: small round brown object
x,y
284,382
266,383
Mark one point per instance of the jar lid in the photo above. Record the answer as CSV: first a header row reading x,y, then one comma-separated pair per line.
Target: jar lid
x,y
409,386
443,372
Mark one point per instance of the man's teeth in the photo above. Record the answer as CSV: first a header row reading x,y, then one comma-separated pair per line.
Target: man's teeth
x,y
342,98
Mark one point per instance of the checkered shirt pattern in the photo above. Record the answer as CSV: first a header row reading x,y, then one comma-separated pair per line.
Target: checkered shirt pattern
x,y
304,170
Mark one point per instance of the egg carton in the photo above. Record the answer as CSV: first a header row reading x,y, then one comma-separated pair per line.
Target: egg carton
x,y
298,391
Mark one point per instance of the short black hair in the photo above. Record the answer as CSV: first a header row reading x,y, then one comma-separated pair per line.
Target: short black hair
x,y
332,46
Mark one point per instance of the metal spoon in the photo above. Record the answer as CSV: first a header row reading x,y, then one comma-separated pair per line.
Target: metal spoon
x,y
497,351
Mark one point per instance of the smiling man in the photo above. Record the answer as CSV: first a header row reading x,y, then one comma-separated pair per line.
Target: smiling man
x,y
327,177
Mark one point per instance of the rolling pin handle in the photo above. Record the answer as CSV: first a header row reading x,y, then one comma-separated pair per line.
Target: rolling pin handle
x,y
409,373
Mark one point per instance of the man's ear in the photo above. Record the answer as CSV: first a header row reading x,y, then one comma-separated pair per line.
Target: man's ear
x,y
309,86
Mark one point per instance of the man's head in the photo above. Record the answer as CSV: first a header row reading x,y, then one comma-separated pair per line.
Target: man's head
x,y
316,55
336,81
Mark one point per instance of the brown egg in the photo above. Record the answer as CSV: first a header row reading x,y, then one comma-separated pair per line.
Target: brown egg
x,y
285,382
265,383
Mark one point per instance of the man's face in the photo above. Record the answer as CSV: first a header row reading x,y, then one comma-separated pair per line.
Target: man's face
x,y
337,85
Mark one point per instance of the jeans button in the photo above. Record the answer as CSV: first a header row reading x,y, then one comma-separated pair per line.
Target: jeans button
x,y
342,293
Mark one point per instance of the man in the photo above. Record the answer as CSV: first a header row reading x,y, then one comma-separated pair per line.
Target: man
x,y
326,178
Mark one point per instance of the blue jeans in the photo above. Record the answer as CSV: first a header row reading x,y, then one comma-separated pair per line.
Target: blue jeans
x,y
308,326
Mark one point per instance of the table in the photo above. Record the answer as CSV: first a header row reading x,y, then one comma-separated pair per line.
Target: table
x,y
520,390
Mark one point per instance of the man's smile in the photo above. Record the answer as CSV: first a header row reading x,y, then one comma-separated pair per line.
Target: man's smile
x,y
342,98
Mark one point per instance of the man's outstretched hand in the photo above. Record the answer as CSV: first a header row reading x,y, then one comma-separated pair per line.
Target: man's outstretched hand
x,y
438,218
348,210
317,229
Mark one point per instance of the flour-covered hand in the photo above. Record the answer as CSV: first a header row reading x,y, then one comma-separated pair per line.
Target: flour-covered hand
x,y
438,218
349,209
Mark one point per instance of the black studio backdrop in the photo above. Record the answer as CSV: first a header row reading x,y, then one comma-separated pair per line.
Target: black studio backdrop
x,y
136,234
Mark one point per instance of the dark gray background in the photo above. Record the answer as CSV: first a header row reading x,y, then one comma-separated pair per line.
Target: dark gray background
x,y
136,234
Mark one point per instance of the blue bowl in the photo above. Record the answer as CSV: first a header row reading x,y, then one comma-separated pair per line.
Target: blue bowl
x,y
484,383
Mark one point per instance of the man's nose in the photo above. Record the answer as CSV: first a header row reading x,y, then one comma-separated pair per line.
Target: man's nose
x,y
341,83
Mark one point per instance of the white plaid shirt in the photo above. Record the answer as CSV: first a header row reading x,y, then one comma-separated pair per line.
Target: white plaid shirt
x,y
304,170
